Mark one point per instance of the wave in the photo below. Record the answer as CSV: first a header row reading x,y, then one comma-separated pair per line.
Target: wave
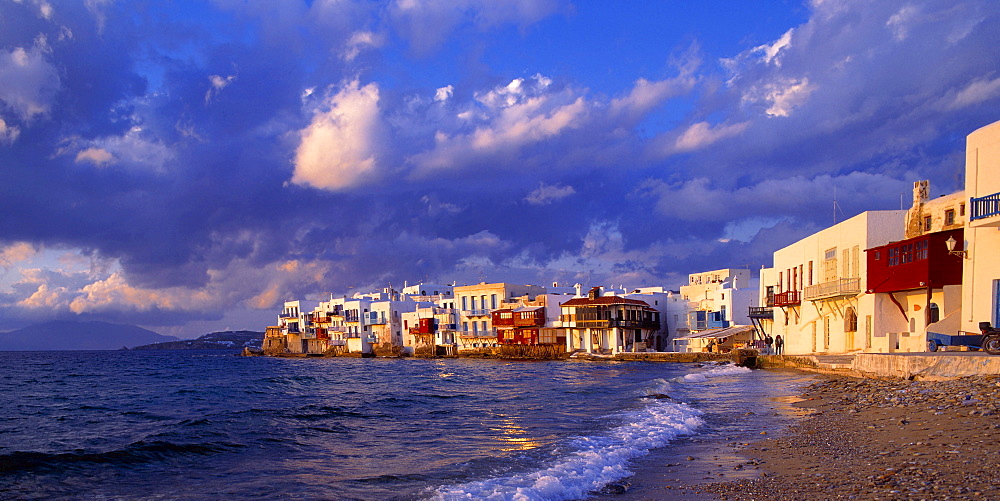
x,y
597,462
134,454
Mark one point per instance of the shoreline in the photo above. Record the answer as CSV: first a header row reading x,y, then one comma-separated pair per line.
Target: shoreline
x,y
864,438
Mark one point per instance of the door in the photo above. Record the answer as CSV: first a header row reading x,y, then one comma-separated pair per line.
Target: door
x,y
996,303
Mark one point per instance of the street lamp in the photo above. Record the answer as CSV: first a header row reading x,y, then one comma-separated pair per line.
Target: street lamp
x,y
951,248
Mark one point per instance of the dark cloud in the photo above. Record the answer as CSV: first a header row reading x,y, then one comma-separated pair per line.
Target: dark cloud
x,y
221,158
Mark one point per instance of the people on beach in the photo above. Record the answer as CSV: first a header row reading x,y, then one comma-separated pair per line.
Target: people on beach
x,y
779,345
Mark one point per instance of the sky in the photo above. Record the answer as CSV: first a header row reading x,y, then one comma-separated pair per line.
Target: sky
x,y
187,166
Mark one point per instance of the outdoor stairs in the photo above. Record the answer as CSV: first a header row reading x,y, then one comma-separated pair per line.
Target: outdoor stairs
x,y
834,362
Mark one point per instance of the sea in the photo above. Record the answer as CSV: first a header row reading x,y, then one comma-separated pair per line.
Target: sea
x,y
211,424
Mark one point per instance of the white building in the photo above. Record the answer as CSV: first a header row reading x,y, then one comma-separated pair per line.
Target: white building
x,y
816,290
716,300
981,249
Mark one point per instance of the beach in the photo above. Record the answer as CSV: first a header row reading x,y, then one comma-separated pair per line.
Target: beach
x,y
868,439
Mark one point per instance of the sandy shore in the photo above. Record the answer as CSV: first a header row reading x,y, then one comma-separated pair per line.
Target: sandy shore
x,y
872,439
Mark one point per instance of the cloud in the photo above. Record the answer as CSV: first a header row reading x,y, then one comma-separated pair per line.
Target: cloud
x,y
976,92
96,156
444,93
772,52
511,117
797,196
547,194
359,41
426,24
8,133
702,134
217,84
15,253
28,82
135,148
339,149
646,95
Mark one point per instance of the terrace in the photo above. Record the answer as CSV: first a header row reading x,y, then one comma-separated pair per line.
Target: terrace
x,y
833,288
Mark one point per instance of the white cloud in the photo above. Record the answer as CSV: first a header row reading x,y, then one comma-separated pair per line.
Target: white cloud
x,y
646,95
513,116
702,134
546,194
133,149
785,96
218,83
900,22
360,40
16,253
444,93
339,149
8,133
96,156
771,52
976,92
28,83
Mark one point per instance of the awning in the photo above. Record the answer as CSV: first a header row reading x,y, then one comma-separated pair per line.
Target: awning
x,y
720,333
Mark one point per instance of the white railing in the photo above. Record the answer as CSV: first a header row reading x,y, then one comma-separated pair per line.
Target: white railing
x,y
833,288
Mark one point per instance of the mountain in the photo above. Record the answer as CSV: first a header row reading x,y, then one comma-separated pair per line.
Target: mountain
x,y
212,341
69,335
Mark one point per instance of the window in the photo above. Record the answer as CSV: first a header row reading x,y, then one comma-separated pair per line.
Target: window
x,y
927,223
810,272
961,209
949,216
850,320
934,313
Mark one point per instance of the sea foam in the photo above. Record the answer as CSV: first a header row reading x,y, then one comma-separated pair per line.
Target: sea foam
x,y
596,461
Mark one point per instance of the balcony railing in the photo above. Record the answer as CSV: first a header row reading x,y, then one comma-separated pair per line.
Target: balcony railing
x,y
985,207
761,312
476,313
477,334
790,298
833,288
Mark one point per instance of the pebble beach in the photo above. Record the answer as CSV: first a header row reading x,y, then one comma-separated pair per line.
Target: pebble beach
x,y
875,439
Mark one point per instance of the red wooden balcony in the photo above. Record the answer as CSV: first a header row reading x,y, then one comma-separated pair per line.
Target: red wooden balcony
x,y
790,298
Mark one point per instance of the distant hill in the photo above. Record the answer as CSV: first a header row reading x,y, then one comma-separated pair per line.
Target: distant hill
x,y
69,335
212,341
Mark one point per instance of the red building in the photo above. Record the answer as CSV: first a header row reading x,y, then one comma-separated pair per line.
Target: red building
x,y
921,262
519,325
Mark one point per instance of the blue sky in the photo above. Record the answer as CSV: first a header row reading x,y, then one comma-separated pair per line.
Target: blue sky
x,y
186,166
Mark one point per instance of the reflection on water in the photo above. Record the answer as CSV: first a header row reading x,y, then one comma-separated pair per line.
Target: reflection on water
x,y
513,437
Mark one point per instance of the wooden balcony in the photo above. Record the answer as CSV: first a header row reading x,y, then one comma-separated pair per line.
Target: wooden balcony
x,y
790,298
761,313
833,288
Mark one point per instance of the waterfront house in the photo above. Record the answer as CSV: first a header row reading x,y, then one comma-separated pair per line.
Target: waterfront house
x,y
716,301
476,303
815,294
916,282
608,324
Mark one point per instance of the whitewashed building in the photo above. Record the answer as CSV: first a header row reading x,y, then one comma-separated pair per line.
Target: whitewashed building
x,y
816,290
981,248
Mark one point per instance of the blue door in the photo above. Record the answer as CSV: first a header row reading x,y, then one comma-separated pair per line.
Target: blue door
x,y
996,303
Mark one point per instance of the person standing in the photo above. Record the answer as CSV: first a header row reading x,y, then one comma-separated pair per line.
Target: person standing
x,y
779,345
768,341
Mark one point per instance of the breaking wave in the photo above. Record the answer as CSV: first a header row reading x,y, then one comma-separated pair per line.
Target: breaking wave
x,y
597,461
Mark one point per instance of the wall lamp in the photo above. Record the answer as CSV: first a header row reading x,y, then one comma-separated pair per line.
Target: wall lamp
x,y
951,248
